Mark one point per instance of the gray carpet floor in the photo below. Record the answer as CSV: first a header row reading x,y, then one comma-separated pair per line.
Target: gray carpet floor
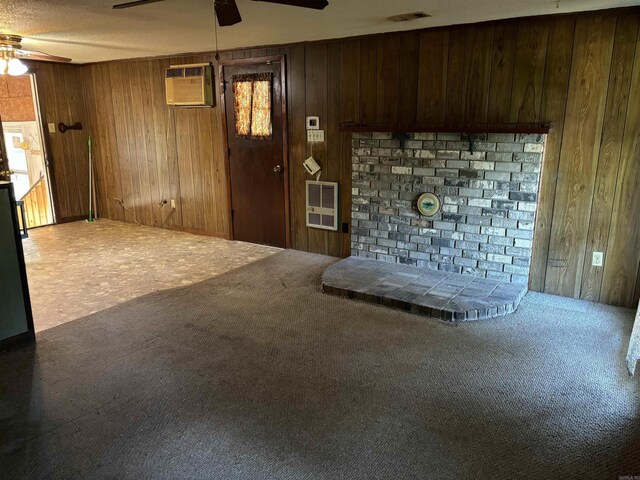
x,y
257,374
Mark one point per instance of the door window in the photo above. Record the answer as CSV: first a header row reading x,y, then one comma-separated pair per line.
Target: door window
x,y
252,106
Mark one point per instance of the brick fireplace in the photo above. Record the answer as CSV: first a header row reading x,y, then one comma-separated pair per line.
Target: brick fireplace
x,y
488,187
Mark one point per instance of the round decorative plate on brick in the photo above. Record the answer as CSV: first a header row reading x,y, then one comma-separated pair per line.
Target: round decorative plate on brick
x,y
428,204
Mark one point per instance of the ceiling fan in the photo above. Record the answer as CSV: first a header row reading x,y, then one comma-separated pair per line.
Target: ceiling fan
x,y
12,54
227,11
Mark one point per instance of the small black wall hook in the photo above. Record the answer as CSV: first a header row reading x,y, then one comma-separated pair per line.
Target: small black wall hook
x,y
63,127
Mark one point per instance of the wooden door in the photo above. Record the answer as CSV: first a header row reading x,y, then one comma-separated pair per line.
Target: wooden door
x,y
257,167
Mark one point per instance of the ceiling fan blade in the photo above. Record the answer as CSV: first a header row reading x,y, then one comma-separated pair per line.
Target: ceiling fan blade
x,y
316,4
134,4
227,12
45,57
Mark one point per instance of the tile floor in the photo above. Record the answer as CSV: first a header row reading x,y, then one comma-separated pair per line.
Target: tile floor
x,y
76,269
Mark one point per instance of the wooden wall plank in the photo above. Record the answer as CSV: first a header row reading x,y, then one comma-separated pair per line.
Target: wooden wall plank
x,y
201,158
110,143
579,153
477,73
258,52
554,101
77,147
153,159
142,144
349,112
165,162
119,107
185,153
610,148
137,156
387,84
350,82
368,79
296,98
66,140
47,78
432,76
100,175
502,68
221,194
623,255
530,58
206,174
316,104
407,78
454,106
332,133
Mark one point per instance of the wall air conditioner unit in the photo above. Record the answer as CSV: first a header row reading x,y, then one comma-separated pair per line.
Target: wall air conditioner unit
x,y
322,205
189,85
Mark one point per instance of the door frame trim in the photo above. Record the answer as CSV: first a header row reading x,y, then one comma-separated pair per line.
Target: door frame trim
x,y
281,59
49,162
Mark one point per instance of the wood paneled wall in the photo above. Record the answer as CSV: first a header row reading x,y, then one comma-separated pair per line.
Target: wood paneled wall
x,y
576,71
147,153
60,93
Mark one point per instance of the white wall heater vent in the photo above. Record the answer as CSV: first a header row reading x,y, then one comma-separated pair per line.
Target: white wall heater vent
x,y
189,85
322,205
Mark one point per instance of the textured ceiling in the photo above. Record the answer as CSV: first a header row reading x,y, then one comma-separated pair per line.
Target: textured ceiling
x,y
89,31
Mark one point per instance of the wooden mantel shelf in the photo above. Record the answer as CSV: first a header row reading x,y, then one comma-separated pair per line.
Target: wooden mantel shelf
x,y
462,128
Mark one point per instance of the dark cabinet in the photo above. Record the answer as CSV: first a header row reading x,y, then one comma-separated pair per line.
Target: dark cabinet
x,y
16,320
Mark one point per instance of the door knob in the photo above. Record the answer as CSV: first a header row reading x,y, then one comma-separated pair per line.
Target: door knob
x,y
277,168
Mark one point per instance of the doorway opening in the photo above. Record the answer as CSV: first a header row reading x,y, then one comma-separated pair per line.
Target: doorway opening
x,y
24,154
255,123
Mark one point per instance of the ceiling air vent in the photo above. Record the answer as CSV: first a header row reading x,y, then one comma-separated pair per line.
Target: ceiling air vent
x,y
405,17
322,205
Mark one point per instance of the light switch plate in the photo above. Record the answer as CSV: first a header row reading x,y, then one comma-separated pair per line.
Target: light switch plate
x,y
315,135
597,259
52,127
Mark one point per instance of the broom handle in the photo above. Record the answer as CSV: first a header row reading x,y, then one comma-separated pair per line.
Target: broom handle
x,y
93,187
90,181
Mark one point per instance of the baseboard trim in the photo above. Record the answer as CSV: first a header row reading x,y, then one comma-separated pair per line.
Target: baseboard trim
x,y
197,231
77,218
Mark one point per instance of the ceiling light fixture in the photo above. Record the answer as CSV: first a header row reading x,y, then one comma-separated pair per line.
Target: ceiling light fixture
x,y
9,63
16,67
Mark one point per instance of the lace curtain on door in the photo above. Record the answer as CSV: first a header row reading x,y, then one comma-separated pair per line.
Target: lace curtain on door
x,y
252,105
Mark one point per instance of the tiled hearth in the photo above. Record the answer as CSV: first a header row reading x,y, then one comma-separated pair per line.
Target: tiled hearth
x,y
468,261
439,294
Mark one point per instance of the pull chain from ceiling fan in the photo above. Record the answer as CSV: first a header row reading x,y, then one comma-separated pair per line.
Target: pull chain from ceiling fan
x,y
215,30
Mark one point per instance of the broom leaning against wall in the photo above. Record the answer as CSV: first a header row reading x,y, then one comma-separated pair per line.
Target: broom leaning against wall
x,y
92,189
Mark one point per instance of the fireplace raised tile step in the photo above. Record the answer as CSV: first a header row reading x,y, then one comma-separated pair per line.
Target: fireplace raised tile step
x,y
434,293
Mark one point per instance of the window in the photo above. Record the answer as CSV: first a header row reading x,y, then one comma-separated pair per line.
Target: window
x,y
252,105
